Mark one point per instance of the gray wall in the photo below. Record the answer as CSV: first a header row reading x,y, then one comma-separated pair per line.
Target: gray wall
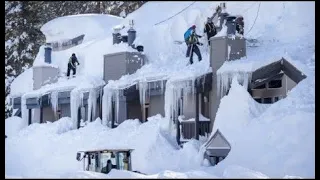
x,y
218,55
43,75
189,106
65,110
134,110
156,105
48,114
122,63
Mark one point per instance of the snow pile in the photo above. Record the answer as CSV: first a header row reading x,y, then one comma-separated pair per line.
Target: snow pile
x,y
267,138
67,27
13,125
22,84
155,149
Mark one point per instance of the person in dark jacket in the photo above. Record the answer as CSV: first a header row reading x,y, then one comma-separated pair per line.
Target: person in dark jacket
x,y
72,64
192,43
240,25
210,29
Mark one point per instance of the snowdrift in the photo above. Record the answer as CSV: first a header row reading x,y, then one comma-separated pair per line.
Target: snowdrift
x,y
68,27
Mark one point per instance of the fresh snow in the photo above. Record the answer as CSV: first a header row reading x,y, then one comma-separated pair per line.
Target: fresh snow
x,y
267,140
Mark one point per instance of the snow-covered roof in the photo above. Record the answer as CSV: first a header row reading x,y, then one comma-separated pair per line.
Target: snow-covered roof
x,y
67,27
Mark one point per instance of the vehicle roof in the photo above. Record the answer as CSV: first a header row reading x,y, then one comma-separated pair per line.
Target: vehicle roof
x,y
109,149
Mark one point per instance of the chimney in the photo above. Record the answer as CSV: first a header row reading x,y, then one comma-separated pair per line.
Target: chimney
x,y
223,48
131,33
231,25
116,36
47,53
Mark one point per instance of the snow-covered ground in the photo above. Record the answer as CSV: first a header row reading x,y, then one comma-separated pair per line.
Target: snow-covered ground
x,y
267,140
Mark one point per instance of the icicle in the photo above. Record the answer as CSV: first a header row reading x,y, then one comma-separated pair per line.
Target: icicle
x,y
143,85
117,99
224,81
74,106
54,102
92,104
24,110
106,105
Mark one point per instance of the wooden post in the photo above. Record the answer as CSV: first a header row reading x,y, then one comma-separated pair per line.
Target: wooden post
x,y
41,114
178,132
113,114
79,117
29,116
143,109
197,117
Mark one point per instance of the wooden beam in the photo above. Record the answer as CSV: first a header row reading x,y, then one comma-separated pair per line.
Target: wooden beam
x,y
113,114
79,117
178,131
41,114
29,116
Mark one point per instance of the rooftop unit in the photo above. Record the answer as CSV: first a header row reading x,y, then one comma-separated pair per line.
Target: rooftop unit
x,y
122,63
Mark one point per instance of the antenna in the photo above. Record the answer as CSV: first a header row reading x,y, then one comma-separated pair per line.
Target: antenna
x,y
223,6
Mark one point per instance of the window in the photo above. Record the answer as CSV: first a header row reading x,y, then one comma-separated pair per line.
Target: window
x,y
275,83
259,100
267,100
262,86
276,99
146,111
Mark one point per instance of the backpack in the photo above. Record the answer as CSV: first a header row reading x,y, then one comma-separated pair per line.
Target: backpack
x,y
187,34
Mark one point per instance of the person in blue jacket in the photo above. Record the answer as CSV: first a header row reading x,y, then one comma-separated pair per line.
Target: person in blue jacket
x,y
192,41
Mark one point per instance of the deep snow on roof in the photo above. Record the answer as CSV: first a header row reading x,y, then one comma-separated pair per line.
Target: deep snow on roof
x,y
68,27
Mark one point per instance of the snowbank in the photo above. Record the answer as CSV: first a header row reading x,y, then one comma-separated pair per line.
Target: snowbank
x,y
22,84
13,125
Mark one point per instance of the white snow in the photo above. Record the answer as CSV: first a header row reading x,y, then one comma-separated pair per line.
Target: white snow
x,y
13,125
22,84
67,27
267,140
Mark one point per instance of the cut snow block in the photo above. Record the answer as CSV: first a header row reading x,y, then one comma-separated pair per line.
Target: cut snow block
x,y
44,75
122,63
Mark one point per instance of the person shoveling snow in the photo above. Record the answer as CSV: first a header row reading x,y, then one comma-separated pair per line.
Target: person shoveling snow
x,y
72,64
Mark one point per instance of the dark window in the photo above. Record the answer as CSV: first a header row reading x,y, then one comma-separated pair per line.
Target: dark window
x,y
275,84
267,101
259,100
276,99
262,86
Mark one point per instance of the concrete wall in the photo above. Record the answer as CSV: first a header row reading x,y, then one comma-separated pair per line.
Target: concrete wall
x,y
156,105
43,75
